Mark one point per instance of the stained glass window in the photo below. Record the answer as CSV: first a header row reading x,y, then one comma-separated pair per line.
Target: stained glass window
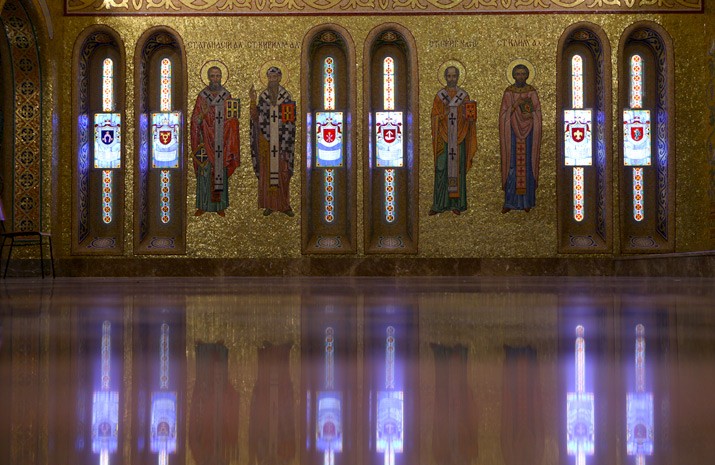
x,y
329,181
107,176
389,132
578,194
577,137
329,83
578,149
107,140
390,214
388,86
108,85
165,196
636,81
389,138
166,130
637,135
166,137
165,87
329,138
577,81
638,213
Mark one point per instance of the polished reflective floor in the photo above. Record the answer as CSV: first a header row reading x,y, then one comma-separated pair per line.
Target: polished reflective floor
x,y
448,371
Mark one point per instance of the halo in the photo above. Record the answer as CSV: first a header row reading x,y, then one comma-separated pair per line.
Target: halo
x,y
520,61
457,64
220,65
285,79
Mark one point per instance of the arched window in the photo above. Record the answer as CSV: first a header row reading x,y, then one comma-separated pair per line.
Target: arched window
x,y
583,172
160,218
647,196
329,217
99,143
391,173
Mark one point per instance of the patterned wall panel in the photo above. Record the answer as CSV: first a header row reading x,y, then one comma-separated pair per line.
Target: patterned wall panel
x,y
27,192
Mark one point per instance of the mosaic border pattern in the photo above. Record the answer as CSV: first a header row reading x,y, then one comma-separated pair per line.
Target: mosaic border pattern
x,y
376,7
27,100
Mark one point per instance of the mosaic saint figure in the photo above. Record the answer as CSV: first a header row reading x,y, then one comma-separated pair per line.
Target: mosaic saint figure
x,y
520,141
215,144
272,143
454,144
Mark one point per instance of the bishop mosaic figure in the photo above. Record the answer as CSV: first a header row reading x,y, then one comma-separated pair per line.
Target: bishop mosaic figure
x,y
272,143
454,144
215,144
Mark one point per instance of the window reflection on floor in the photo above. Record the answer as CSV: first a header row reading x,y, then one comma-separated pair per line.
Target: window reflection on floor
x,y
357,371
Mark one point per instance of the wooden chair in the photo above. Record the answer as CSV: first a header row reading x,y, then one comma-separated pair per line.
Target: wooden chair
x,y
24,239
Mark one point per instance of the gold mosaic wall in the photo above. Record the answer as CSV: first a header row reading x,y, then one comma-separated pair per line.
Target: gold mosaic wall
x,y
485,44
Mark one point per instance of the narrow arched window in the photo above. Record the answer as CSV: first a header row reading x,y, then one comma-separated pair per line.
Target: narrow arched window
x,y
584,107
160,183
329,181
391,164
98,101
647,171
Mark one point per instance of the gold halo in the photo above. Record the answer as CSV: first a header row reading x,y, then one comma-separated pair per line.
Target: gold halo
x,y
520,61
278,64
220,65
457,64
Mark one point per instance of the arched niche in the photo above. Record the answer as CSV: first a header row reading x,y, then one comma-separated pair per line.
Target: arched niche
x,y
391,187
98,168
160,185
329,208
584,181
647,224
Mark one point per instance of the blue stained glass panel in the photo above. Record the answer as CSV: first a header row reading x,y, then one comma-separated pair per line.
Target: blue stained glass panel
x,y
329,138
107,140
389,136
166,139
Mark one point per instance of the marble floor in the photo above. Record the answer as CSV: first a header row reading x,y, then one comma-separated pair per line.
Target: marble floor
x,y
354,371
